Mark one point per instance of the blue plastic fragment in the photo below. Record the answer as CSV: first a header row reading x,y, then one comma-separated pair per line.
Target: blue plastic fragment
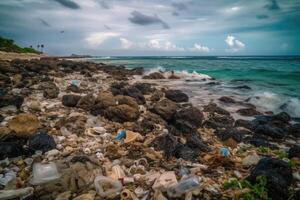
x,y
121,135
224,152
74,82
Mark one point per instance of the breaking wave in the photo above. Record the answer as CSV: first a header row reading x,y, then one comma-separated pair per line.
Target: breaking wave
x,y
183,74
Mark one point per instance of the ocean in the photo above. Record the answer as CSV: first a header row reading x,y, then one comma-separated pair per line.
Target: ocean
x,y
272,83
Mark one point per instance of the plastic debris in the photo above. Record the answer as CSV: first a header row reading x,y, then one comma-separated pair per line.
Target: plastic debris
x,y
8,176
224,152
13,194
43,173
184,186
107,187
121,135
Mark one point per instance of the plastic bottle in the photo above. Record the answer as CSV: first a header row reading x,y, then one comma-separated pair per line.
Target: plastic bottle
x,y
224,152
43,173
10,175
184,186
107,187
121,135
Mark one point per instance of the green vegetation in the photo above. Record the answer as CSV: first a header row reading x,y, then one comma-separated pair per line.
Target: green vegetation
x,y
257,190
263,149
9,46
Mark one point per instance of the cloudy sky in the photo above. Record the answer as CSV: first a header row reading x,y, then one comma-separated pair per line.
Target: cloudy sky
x,y
154,27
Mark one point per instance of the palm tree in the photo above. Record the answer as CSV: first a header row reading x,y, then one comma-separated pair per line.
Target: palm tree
x,y
38,46
42,47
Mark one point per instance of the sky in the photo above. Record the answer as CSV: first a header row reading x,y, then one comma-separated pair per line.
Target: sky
x,y
154,27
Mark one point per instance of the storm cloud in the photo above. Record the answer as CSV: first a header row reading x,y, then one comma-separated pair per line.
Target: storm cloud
x,y
138,27
68,4
272,5
145,20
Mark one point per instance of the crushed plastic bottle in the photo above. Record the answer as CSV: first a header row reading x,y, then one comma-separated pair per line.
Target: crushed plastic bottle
x,y
16,194
121,135
8,176
224,152
107,187
184,186
43,173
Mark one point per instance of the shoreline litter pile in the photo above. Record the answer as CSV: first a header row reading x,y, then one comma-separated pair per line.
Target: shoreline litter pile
x,y
85,131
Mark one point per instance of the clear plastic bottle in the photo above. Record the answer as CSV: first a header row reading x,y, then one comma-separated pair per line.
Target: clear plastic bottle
x,y
107,187
43,173
184,186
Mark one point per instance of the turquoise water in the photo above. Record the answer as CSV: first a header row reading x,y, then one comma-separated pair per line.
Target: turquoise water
x,y
266,76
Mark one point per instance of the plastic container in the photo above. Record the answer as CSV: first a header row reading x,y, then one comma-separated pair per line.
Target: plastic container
x,y
184,186
10,175
224,152
107,187
121,135
43,173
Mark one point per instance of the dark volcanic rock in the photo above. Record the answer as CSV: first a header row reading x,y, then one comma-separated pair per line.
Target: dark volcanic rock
x,y
154,75
188,119
243,123
41,141
10,150
260,142
145,88
226,99
165,108
295,130
51,91
270,131
232,133
1,118
177,96
116,87
185,152
73,88
134,93
217,121
278,175
70,100
166,143
213,108
195,142
248,112
15,100
294,151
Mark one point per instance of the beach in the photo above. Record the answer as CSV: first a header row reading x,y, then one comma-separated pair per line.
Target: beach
x,y
99,129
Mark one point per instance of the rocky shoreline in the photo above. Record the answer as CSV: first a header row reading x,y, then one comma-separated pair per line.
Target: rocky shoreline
x,y
84,131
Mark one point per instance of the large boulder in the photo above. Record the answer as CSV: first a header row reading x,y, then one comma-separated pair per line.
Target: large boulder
x,y
105,100
14,100
166,109
51,91
41,141
10,150
188,119
248,112
134,93
126,100
121,113
24,125
145,88
294,151
86,102
226,99
70,100
177,96
213,108
271,131
278,175
294,130
154,75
